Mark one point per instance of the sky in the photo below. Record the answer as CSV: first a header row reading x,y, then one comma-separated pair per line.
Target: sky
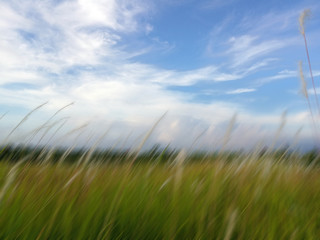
x,y
125,63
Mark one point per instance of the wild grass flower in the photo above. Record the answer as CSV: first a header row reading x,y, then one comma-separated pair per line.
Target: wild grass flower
x,y
88,156
229,129
306,95
179,161
305,14
3,115
193,144
231,224
282,124
56,131
74,176
24,119
304,90
146,137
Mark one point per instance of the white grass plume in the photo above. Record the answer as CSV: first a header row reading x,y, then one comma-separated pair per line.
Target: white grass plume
x,y
305,14
23,120
146,138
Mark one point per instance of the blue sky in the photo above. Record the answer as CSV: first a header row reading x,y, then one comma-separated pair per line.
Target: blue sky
x,y
124,63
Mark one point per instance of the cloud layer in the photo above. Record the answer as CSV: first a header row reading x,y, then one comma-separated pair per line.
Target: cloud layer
x,y
81,51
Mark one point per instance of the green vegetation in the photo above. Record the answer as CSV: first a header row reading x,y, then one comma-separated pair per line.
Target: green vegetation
x,y
245,198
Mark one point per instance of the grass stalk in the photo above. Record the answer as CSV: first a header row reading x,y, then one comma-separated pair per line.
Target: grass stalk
x,y
305,14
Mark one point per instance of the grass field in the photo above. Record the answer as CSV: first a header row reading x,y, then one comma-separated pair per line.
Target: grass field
x,y
246,198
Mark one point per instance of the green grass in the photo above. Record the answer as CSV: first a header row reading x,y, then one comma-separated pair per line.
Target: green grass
x,y
218,200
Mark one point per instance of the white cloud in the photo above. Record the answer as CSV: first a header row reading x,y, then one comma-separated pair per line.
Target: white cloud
x,y
185,78
132,107
261,36
53,36
149,28
258,66
284,74
246,48
311,90
241,90
42,38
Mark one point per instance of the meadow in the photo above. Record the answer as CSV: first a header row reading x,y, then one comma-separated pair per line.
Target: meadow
x,y
161,195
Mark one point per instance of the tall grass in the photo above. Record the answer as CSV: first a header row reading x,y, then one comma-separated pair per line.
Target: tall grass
x,y
305,14
260,200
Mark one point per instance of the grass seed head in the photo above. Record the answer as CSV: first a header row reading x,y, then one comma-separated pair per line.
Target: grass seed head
x,y
303,82
305,14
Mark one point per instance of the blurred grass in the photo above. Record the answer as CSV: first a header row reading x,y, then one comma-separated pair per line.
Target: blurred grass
x,y
260,199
